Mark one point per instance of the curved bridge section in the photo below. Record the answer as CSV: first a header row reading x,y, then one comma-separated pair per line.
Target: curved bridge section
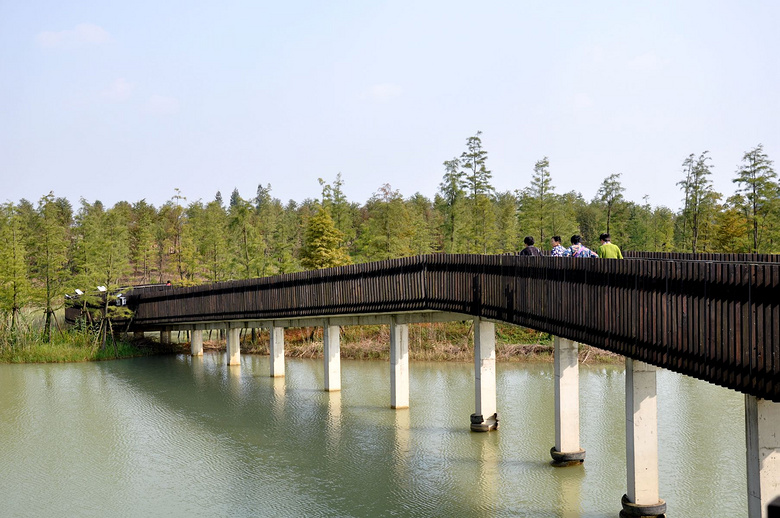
x,y
716,320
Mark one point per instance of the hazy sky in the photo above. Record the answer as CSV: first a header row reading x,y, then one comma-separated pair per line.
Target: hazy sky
x,y
127,100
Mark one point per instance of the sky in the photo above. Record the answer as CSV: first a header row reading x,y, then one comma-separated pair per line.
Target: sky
x,y
115,101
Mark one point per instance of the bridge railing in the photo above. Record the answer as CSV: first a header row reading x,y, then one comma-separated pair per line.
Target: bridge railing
x,y
717,321
716,257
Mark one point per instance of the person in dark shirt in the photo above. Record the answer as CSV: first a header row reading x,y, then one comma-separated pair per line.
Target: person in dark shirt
x,y
529,249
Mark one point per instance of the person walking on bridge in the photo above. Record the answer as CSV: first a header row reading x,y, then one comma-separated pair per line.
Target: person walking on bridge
x,y
607,250
557,249
529,249
577,249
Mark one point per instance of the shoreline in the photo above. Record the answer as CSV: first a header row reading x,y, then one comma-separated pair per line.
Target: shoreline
x,y
509,353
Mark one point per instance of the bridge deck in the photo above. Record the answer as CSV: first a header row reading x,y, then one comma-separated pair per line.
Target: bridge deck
x,y
716,320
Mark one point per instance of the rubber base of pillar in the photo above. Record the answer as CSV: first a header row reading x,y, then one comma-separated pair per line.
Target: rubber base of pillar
x,y
773,511
634,510
562,459
480,424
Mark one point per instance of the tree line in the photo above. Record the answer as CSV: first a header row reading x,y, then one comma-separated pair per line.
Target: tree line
x,y
52,248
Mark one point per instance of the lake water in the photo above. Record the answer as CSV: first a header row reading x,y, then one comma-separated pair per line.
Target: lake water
x,y
191,437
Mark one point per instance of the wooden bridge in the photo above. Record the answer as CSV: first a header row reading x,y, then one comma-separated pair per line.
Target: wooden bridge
x,y
715,317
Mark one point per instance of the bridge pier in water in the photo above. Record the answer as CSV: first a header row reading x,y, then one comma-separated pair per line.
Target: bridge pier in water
x,y
233,345
196,342
485,417
642,497
762,438
567,451
165,336
332,356
276,351
399,364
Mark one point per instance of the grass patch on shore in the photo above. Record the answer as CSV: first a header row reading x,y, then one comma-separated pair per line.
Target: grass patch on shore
x,y
31,346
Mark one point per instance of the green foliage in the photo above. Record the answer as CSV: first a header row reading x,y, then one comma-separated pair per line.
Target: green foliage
x,y
387,230
26,344
450,204
479,194
141,226
758,194
610,198
700,204
537,203
323,246
15,285
48,253
47,246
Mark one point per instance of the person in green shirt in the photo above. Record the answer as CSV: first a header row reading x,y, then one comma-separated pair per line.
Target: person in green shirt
x,y
607,249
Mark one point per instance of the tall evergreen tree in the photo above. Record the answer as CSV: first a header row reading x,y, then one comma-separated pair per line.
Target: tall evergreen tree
x,y
210,228
386,232
479,190
15,287
245,241
323,246
699,203
537,203
610,194
507,228
49,252
424,224
759,190
451,198
143,221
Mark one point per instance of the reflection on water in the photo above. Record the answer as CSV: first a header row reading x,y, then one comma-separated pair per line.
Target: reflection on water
x,y
190,436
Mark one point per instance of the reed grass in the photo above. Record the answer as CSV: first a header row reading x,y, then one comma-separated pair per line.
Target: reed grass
x,y
26,343
450,341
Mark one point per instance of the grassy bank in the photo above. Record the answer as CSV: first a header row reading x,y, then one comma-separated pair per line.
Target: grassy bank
x,y
451,341
29,346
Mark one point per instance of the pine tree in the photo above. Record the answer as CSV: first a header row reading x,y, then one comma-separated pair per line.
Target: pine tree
x,y
759,191
210,230
450,202
49,255
323,243
537,203
508,232
479,191
610,194
245,243
15,288
699,203
143,219
386,232
424,225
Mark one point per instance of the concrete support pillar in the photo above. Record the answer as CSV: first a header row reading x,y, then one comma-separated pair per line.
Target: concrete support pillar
x,y
332,354
485,417
277,352
196,342
642,497
399,365
762,437
233,346
165,337
567,451
138,335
